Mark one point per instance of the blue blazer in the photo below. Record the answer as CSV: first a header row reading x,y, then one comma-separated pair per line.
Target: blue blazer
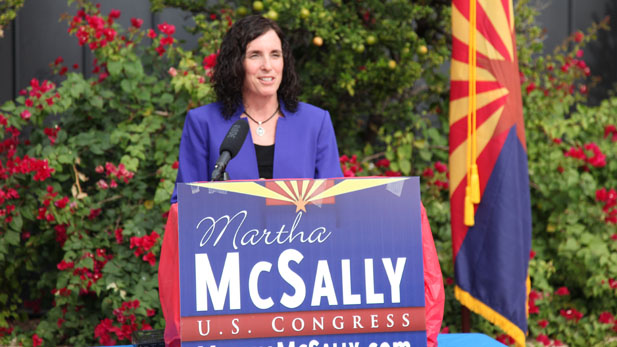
x,y
304,146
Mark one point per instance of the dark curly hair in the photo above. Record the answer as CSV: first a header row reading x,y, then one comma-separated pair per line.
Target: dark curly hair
x,y
229,72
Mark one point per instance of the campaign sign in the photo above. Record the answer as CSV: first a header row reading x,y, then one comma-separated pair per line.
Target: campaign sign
x,y
301,263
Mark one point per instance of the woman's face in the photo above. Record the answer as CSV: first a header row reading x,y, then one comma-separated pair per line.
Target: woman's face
x,y
263,66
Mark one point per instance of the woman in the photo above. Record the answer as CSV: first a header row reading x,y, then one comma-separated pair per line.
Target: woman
x,y
254,78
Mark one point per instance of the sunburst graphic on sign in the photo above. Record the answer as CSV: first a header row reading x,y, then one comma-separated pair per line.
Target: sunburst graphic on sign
x,y
498,92
299,192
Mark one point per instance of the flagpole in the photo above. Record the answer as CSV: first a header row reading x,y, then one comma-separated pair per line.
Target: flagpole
x,y
465,319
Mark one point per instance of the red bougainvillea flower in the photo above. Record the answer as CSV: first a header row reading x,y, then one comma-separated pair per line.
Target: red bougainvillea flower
x,y
383,163
102,332
36,340
578,36
167,41
115,14
391,173
575,152
172,72
505,339
598,159
612,283
441,167
601,194
543,339
428,173
533,296
102,184
209,61
343,159
531,87
175,165
63,265
167,29
52,134
137,22
532,254
143,245
118,235
62,202
606,318
151,34
611,130
442,184
543,323
562,291
95,212
25,115
571,314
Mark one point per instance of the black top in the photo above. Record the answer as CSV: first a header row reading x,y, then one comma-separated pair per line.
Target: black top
x,y
265,160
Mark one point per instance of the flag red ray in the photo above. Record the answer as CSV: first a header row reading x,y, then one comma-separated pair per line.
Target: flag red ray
x,y
460,89
506,8
459,51
482,114
507,73
485,26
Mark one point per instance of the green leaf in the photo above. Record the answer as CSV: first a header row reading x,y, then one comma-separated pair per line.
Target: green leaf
x,y
130,163
97,102
126,86
405,166
17,223
134,69
114,68
12,237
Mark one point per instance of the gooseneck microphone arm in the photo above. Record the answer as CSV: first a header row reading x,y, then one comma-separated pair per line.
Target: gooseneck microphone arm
x,y
230,147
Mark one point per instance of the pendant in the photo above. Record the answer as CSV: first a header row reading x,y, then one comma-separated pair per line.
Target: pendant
x,y
260,131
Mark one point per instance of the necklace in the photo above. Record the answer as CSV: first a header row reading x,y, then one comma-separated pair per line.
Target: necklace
x,y
260,130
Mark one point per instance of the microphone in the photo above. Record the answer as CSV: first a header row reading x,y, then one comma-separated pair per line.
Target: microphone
x,y
230,147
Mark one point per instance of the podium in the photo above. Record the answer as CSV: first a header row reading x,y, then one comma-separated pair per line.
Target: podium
x,y
284,263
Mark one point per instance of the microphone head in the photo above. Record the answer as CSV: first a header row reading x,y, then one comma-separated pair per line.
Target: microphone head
x,y
235,137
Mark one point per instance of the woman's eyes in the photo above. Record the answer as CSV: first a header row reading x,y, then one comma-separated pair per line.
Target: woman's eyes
x,y
257,55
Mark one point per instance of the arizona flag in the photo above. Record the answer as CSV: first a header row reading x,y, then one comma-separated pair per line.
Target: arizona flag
x,y
489,181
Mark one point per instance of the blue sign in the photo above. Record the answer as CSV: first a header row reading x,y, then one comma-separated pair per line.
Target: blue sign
x,y
300,263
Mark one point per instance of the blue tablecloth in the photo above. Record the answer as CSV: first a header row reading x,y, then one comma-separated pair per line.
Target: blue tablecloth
x,y
456,340
467,340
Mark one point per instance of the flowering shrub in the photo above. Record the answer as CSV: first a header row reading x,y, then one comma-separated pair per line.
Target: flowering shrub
x,y
85,193
573,176
88,165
